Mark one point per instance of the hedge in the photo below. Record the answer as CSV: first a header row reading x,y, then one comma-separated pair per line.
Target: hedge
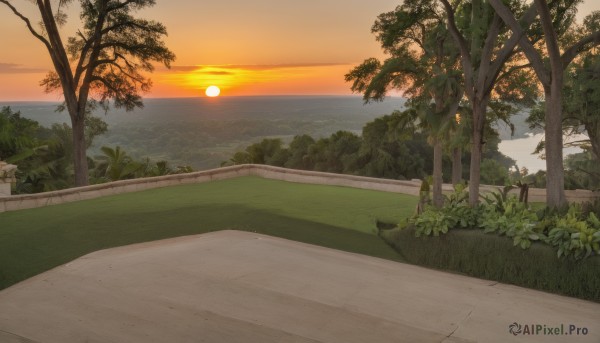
x,y
494,257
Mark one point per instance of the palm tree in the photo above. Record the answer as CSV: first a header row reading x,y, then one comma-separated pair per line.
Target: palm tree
x,y
115,165
423,65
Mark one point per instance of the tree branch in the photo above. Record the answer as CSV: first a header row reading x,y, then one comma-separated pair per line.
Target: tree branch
x,y
519,36
95,52
464,49
487,53
511,70
28,23
572,52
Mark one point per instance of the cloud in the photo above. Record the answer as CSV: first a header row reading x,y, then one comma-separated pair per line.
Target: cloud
x,y
221,68
216,72
280,66
184,68
13,68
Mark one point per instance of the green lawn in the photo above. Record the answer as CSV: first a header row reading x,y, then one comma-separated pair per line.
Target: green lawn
x,y
33,241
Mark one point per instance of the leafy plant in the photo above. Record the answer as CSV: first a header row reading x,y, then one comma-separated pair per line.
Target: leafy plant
x,y
432,222
574,232
511,218
576,236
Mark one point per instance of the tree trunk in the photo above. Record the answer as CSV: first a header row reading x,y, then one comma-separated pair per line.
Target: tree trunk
x,y
456,166
79,151
555,173
479,109
438,198
593,131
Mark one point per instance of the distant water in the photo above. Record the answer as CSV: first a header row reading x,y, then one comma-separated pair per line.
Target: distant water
x,y
521,150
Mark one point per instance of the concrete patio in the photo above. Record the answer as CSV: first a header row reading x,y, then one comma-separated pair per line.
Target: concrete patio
x,y
233,286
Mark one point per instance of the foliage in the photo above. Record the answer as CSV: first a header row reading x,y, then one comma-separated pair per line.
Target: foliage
x,y
390,147
423,65
115,164
514,219
455,213
491,66
493,173
40,153
105,62
573,234
581,94
493,257
44,155
16,133
432,222
581,171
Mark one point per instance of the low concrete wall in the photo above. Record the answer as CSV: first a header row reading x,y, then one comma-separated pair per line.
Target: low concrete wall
x,y
19,202
320,178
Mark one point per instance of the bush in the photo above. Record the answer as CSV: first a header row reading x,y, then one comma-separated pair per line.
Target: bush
x,y
494,257
574,233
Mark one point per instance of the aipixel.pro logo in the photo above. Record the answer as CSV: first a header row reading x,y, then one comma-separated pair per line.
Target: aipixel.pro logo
x,y
546,330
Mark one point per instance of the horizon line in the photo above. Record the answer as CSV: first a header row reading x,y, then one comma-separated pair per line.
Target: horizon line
x,y
224,96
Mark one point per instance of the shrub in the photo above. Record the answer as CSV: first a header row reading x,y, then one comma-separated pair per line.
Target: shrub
x,y
575,233
496,258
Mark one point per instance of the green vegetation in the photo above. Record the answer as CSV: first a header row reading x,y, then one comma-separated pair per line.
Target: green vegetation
x,y
392,146
575,233
423,65
44,155
105,63
33,241
493,257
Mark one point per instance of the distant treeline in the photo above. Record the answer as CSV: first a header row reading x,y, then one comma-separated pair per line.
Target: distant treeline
x,y
389,147
44,155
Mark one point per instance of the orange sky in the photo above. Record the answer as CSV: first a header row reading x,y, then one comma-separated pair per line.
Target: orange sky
x,y
259,47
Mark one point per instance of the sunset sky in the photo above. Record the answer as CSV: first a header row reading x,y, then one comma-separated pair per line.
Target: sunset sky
x,y
259,47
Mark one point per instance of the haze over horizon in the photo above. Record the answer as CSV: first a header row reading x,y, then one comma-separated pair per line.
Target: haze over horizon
x,y
266,47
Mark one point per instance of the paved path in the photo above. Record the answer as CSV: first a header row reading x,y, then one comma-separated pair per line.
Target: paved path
x,y
234,286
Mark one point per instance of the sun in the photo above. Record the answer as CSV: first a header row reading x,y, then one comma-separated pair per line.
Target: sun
x,y
213,91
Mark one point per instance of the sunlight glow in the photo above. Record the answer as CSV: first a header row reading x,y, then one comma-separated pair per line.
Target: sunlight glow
x,y
213,91
252,80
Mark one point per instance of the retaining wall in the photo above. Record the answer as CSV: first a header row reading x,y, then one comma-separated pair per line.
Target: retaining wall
x,y
19,202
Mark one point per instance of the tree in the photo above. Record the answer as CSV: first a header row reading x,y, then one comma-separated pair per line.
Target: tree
x,y
115,164
582,101
299,157
423,64
581,95
485,52
109,58
41,153
337,153
493,173
581,116
551,76
267,151
17,134
393,147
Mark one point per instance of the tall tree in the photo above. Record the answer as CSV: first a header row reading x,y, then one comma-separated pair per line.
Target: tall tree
x,y
423,64
551,76
582,101
485,51
104,61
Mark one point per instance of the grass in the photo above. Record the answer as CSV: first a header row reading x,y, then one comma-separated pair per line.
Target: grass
x,y
33,241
